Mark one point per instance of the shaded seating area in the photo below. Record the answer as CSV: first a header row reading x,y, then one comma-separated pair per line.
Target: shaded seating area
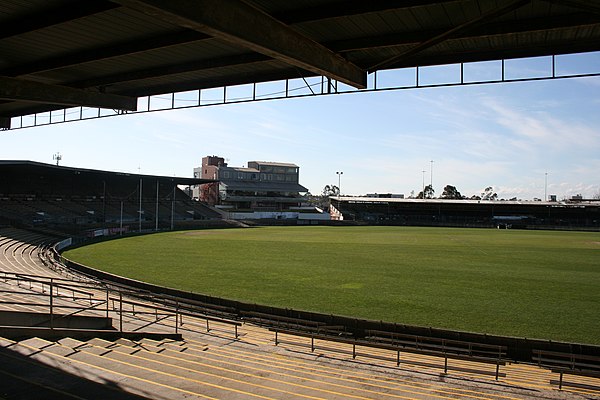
x,y
68,199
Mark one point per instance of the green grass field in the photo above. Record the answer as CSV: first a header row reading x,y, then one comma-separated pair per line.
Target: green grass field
x,y
535,284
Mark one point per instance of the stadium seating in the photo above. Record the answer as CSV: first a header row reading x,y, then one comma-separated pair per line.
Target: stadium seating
x,y
218,362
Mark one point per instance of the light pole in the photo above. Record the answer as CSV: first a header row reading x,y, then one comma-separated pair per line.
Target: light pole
x,y
431,183
423,192
57,157
546,187
339,174
140,211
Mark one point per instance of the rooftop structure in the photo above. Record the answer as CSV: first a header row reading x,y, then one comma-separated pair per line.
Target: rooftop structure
x,y
261,187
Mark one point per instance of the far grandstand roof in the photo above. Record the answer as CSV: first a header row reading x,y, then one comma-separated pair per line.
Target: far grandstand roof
x,y
384,200
10,169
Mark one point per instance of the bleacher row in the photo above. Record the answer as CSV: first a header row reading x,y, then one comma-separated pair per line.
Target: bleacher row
x,y
33,210
217,362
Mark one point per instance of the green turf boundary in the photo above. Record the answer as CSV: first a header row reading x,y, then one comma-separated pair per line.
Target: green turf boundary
x,y
512,283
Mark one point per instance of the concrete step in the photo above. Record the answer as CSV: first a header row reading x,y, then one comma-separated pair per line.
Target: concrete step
x,y
93,363
174,345
186,376
34,369
262,375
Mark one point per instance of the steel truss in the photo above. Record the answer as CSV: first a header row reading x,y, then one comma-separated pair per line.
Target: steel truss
x,y
303,87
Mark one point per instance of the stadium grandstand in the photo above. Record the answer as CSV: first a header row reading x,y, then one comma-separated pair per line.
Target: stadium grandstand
x,y
66,199
69,332
574,214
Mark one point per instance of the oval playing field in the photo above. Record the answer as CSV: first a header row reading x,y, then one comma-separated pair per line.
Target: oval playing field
x,y
535,284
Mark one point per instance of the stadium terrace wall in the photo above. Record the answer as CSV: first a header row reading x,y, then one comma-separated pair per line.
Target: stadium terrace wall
x,y
468,213
518,349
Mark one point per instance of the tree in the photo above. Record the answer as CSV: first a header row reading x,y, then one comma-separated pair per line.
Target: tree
x,y
330,190
452,193
322,200
489,194
428,192
597,195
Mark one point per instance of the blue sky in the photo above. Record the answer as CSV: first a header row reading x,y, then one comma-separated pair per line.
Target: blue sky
x,y
503,135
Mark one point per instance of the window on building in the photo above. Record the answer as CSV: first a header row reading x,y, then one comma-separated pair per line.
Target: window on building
x,y
226,174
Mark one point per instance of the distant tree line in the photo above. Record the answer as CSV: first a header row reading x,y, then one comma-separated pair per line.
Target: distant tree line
x,y
451,193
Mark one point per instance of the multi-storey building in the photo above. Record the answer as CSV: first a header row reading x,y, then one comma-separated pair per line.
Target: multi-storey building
x,y
265,188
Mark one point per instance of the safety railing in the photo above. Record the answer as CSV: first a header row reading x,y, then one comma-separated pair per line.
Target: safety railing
x,y
64,298
443,351
569,364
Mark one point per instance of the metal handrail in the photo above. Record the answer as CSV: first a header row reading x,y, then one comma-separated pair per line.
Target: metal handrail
x,y
369,344
170,306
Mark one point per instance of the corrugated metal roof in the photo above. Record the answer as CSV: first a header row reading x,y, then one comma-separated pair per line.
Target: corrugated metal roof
x,y
130,48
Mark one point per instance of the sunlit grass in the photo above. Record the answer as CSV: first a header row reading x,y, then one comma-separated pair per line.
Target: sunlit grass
x,y
534,284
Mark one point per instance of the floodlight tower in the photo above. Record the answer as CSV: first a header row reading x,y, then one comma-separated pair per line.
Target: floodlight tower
x,y
339,174
431,183
57,157
546,186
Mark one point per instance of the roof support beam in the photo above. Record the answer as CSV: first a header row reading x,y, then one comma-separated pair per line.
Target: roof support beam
x,y
584,5
54,16
104,52
449,34
501,53
35,92
213,63
243,25
345,8
413,38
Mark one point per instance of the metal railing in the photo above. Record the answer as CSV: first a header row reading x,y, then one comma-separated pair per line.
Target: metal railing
x,y
444,351
66,298
570,364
